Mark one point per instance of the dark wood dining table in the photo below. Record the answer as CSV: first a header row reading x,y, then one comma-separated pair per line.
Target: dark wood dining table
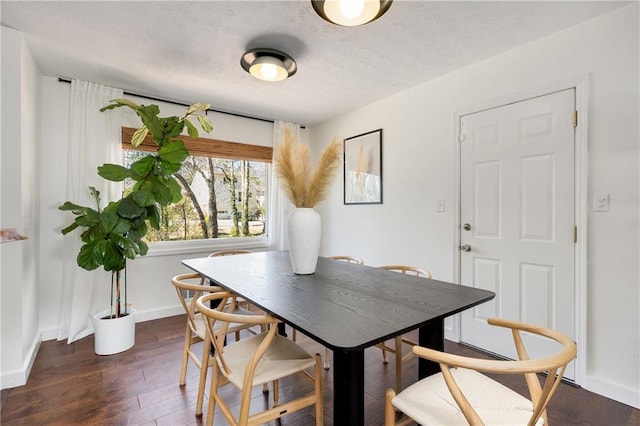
x,y
345,307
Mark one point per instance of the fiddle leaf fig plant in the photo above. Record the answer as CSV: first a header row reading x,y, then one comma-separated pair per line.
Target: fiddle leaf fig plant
x,y
115,233
108,238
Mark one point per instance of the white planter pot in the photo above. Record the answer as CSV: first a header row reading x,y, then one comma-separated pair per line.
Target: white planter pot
x,y
116,335
304,228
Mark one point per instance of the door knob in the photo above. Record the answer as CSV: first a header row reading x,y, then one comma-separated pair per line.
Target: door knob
x,y
465,247
466,227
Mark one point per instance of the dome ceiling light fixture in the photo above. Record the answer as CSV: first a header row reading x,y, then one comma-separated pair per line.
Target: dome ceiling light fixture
x,y
268,64
350,13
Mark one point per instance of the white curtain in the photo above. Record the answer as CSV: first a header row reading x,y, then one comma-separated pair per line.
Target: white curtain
x,y
279,205
94,139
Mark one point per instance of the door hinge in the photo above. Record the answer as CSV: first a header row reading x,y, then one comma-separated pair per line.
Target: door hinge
x,y
575,234
575,118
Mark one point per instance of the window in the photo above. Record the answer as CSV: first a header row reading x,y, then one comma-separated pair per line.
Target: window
x,y
223,188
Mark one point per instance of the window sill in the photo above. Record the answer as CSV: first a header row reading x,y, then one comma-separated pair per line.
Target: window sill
x,y
167,248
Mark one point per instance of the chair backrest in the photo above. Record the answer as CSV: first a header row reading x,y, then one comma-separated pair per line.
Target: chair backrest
x,y
554,365
189,288
228,252
409,270
348,259
217,326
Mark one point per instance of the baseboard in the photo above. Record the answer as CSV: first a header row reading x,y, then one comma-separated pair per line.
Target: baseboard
x,y
159,313
52,333
615,391
19,378
49,334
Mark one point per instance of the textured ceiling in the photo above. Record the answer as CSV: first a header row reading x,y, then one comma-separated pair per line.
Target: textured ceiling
x,y
190,51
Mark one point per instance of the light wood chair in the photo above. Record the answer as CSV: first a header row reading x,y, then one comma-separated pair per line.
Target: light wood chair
x,y
461,394
256,360
189,288
348,259
409,270
396,350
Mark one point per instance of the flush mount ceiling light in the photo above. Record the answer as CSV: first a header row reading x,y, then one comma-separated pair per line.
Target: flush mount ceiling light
x,y
350,13
268,64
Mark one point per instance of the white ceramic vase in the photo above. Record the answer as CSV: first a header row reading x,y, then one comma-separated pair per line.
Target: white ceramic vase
x,y
115,335
304,228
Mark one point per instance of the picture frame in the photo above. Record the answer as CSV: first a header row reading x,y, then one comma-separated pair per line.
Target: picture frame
x,y
363,168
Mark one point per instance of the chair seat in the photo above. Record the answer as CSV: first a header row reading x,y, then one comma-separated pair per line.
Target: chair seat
x,y
283,358
429,401
200,330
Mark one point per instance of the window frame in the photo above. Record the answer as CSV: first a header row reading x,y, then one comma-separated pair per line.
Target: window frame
x,y
205,147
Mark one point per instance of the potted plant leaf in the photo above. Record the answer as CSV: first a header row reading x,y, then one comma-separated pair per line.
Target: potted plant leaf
x,y
114,234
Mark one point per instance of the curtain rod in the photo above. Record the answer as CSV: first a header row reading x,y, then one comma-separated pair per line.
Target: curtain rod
x,y
151,98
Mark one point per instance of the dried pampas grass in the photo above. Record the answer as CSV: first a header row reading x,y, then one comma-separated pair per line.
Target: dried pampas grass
x,y
293,166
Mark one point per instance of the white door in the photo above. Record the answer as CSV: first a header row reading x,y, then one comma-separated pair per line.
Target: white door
x,y
517,202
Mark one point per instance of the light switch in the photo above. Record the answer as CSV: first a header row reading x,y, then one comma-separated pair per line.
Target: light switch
x,y
601,202
440,205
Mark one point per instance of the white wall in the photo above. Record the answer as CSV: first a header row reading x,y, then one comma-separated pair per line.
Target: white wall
x,y
418,169
20,130
149,277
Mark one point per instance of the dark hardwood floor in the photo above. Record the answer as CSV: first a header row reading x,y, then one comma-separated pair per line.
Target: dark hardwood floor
x,y
69,385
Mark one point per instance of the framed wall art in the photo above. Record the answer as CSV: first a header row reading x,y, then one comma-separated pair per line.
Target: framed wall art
x,y
363,168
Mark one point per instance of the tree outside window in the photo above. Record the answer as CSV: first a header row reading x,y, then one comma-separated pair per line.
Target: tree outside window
x,y
221,198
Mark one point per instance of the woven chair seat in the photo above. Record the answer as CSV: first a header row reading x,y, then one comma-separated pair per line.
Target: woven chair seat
x,y
429,401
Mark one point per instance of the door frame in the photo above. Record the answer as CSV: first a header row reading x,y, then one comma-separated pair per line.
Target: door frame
x,y
581,86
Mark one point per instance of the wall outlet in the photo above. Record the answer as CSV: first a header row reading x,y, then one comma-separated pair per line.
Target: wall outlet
x,y
601,202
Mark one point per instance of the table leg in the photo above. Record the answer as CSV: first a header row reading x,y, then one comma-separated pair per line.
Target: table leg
x,y
348,388
430,336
